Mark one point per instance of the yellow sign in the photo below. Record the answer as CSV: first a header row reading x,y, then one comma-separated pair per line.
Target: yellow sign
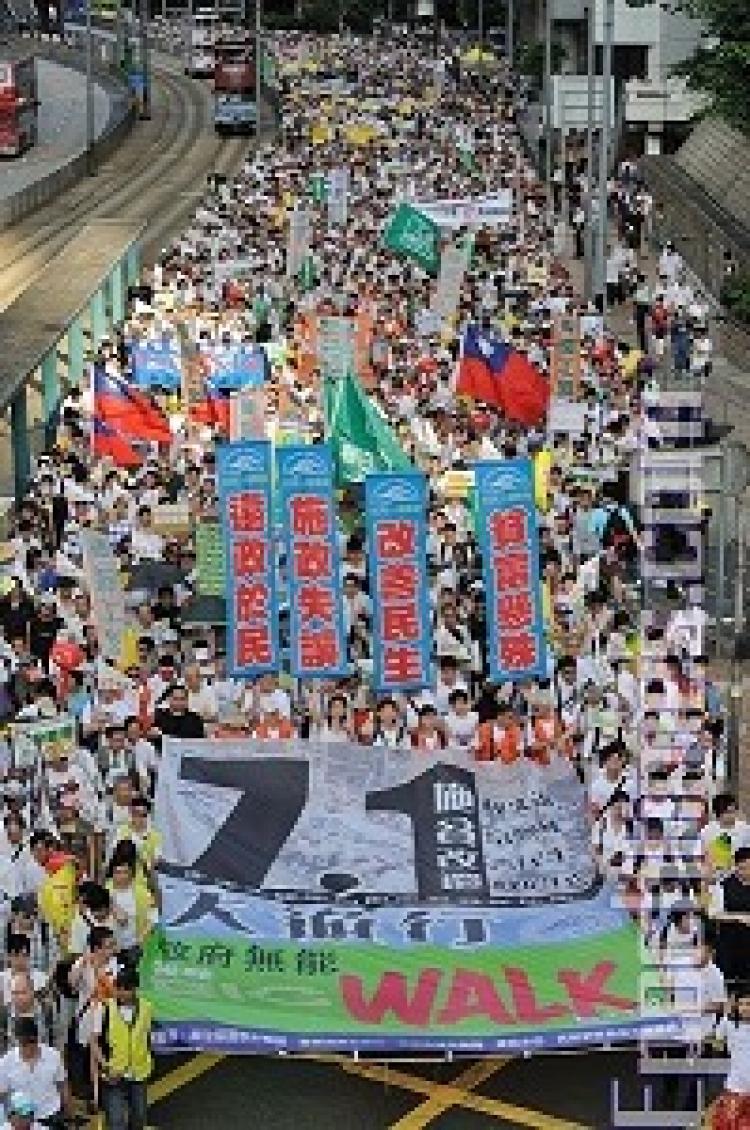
x,y
321,133
360,134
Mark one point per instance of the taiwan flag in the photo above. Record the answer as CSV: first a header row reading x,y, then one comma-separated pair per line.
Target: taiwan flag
x,y
106,442
494,372
128,410
213,410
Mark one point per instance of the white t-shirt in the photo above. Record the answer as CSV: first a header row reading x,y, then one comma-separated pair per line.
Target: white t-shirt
x,y
39,1081
123,902
739,834
738,1046
695,989
461,729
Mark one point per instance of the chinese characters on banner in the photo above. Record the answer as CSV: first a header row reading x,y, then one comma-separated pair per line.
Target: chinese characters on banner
x,y
298,242
509,541
244,482
102,572
396,509
565,367
304,482
156,364
338,191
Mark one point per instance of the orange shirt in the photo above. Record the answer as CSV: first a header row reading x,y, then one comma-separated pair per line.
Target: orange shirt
x,y
492,745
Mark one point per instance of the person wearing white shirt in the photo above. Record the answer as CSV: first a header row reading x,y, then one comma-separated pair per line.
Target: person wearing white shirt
x,y
35,1070
736,1030
725,834
460,722
146,543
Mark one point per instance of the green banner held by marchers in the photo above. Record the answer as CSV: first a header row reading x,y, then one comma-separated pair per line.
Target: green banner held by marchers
x,y
361,439
412,234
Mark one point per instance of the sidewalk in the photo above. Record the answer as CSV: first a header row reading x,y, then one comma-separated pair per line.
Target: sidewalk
x,y
726,400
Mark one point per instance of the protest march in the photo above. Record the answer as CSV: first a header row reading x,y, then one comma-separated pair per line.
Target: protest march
x,y
343,709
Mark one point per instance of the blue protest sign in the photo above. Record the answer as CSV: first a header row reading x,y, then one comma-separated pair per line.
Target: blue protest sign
x,y
244,485
304,482
396,522
232,367
156,364
509,540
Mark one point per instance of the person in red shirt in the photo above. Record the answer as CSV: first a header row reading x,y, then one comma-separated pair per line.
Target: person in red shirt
x,y
500,738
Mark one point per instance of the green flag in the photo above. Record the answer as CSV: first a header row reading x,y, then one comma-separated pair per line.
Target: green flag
x,y
318,187
307,274
467,159
361,439
414,235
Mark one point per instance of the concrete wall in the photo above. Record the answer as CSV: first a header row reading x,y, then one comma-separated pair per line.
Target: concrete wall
x,y
702,232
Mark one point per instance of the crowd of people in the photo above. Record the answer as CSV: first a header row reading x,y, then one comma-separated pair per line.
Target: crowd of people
x,y
80,853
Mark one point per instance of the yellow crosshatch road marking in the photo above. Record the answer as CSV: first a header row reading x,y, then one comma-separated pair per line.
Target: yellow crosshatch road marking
x,y
181,1076
428,1111
454,1096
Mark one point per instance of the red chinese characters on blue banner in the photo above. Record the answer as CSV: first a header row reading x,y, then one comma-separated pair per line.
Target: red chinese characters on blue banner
x,y
396,509
244,485
317,639
509,540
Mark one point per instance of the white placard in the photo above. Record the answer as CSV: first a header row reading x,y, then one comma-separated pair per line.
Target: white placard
x,y
470,211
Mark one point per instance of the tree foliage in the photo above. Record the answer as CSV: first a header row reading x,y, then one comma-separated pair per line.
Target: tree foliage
x,y
720,67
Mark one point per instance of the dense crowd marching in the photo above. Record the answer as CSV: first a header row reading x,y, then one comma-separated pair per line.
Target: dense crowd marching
x,y
79,852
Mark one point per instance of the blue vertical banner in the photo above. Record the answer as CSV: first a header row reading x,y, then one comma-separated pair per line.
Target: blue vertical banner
x,y
396,524
244,473
304,485
509,540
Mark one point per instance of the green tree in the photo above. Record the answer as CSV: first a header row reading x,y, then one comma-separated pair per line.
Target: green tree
x,y
720,67
530,60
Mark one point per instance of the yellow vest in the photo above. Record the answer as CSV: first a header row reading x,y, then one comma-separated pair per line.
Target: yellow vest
x,y
128,1045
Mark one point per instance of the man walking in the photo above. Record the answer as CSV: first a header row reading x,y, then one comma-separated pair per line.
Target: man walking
x,y
121,1054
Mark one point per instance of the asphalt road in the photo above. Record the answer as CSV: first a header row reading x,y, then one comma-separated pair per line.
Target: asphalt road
x,y
62,126
555,1092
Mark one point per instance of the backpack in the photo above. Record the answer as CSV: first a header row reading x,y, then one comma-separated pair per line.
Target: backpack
x,y
616,533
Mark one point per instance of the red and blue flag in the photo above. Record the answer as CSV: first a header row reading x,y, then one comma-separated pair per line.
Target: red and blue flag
x,y
128,410
106,442
494,372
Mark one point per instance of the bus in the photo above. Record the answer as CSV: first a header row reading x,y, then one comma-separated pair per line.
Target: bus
x,y
18,105
234,84
200,31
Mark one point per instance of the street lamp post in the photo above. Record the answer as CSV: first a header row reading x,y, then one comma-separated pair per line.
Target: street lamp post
x,y
89,92
145,77
509,43
548,131
258,65
604,148
588,250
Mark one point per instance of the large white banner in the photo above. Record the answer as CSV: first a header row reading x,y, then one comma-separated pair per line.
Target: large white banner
x,y
299,241
470,211
453,263
107,595
338,192
406,823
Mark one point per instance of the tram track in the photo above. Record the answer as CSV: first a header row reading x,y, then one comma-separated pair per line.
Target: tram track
x,y
155,176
